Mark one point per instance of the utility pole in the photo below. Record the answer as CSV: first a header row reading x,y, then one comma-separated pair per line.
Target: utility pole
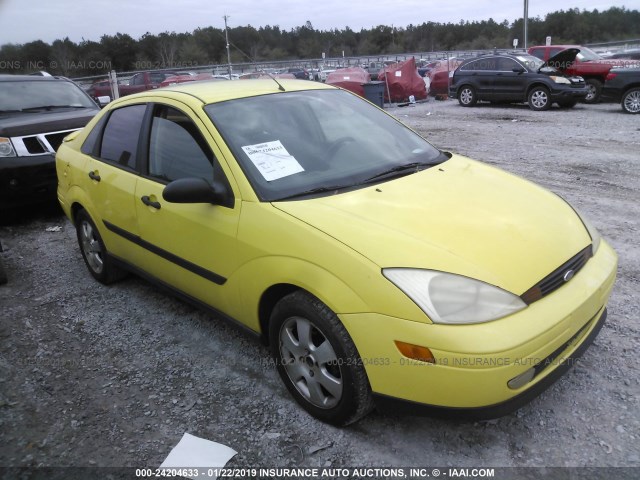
x,y
526,18
226,36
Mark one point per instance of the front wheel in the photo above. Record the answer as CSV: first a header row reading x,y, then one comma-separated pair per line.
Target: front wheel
x,y
317,360
467,96
594,88
94,252
631,101
539,99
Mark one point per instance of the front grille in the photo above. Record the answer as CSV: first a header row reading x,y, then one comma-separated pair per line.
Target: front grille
x,y
55,139
557,278
43,143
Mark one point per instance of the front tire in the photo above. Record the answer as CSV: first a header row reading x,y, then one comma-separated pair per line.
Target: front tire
x,y
94,252
467,96
539,99
594,87
631,101
317,360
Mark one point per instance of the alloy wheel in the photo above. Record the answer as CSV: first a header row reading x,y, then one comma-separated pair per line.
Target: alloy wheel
x,y
91,247
311,362
632,102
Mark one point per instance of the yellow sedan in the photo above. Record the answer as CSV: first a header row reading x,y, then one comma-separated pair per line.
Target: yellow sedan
x,y
380,270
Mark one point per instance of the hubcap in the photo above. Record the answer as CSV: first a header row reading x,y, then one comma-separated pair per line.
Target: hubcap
x,y
539,99
466,96
91,247
632,102
591,92
310,362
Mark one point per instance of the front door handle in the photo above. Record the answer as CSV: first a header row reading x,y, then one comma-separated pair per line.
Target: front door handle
x,y
147,201
94,176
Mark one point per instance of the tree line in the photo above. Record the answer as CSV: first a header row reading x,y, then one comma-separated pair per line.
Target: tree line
x,y
206,46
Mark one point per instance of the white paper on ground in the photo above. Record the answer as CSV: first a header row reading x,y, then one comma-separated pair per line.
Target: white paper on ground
x,y
272,160
193,452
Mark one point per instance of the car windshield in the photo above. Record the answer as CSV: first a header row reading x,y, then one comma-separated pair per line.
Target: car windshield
x,y
586,55
19,96
311,142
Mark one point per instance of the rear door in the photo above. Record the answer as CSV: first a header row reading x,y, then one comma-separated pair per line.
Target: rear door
x,y
111,177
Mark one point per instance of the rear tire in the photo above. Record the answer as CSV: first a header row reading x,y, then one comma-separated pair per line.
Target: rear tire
x,y
317,360
594,86
539,99
94,252
631,101
467,96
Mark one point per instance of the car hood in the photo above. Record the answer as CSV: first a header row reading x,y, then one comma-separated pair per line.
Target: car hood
x,y
562,60
462,217
31,123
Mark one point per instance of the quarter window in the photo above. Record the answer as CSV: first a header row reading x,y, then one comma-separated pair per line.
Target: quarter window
x,y
176,147
120,138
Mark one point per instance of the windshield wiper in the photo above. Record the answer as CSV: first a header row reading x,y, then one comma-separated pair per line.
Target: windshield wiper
x,y
399,169
49,107
312,191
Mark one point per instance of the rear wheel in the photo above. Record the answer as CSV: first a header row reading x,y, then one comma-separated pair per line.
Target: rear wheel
x,y
94,252
594,88
467,96
317,360
539,99
631,101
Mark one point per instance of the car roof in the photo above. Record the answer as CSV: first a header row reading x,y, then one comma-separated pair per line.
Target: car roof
x,y
213,92
34,78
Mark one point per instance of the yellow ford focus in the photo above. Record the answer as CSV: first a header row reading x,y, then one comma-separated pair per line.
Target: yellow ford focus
x,y
379,269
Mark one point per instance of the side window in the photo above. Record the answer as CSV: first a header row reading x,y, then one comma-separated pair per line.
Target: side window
x,y
138,79
120,138
176,147
483,64
157,77
507,64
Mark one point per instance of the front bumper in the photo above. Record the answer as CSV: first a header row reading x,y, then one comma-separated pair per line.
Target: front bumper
x,y
566,92
27,180
475,363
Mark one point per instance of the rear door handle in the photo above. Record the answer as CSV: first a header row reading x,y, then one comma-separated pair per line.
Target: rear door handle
x,y
147,201
94,176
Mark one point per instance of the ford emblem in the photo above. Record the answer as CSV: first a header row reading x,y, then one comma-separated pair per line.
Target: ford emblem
x,y
568,275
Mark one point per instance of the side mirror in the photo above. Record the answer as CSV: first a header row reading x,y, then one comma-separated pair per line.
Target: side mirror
x,y
103,100
196,190
519,70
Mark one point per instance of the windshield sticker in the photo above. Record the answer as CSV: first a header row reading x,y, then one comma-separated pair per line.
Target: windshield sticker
x,y
398,73
272,160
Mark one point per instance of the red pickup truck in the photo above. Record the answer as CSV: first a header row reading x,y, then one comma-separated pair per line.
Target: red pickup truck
x,y
588,65
138,83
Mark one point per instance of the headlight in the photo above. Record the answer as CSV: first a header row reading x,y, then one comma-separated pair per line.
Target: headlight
x,y
593,232
560,80
6,149
454,299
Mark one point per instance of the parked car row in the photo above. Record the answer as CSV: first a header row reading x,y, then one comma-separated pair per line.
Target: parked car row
x,y
570,75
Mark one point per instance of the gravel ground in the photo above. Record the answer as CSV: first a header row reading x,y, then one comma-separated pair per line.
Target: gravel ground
x,y
113,376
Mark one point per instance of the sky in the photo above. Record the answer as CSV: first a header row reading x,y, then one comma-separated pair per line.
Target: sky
x,y
23,21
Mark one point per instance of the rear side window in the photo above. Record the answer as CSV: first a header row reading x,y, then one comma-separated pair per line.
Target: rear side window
x,y
539,53
121,134
482,64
